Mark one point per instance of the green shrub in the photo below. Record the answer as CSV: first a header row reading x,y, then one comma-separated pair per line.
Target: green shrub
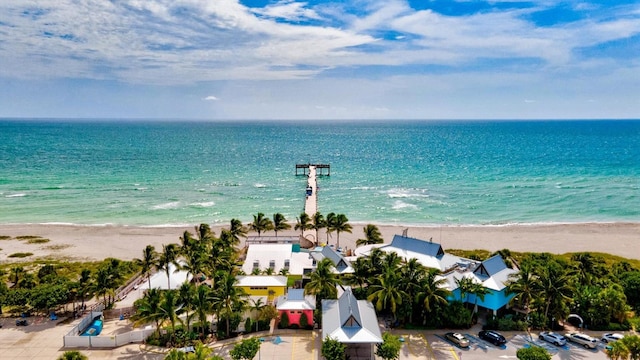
x,y
5,237
38,241
28,237
304,322
21,255
248,326
284,320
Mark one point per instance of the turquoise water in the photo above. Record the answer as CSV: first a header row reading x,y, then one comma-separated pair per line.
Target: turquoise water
x,y
395,172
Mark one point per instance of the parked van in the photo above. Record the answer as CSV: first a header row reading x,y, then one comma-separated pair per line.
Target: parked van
x,y
583,339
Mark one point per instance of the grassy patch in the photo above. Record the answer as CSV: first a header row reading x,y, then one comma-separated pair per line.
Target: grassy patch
x,y
5,237
28,237
57,247
291,279
21,255
38,241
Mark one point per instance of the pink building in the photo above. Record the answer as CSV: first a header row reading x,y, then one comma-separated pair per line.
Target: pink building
x,y
295,303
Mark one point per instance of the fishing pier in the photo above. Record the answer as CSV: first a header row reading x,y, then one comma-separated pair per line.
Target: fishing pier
x,y
312,171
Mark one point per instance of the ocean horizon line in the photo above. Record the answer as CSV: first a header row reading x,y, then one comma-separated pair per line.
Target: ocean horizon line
x,y
353,224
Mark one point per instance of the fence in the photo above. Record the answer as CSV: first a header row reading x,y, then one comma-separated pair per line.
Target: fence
x,y
74,339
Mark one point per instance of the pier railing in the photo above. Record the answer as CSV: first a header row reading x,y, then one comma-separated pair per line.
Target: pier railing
x,y
320,169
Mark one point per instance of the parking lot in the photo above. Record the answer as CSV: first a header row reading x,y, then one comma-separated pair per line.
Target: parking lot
x,y
42,339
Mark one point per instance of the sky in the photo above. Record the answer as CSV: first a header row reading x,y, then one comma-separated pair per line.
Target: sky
x,y
340,59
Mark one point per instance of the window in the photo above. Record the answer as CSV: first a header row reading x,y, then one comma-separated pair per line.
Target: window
x,y
287,263
272,264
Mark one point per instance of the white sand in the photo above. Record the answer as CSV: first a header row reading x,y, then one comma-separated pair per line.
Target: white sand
x,y
126,242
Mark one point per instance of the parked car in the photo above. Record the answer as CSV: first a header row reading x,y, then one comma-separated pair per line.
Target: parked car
x,y
553,338
21,322
493,337
611,337
583,339
457,339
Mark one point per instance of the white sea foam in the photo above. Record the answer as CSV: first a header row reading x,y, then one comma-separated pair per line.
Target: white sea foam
x,y
400,205
407,193
15,195
205,204
258,185
166,206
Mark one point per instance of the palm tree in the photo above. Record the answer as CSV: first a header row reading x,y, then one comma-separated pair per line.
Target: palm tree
x,y
479,291
169,309
386,292
169,256
372,235
202,301
186,295
433,291
257,306
465,284
317,223
555,288
148,262
303,223
148,309
523,284
341,224
280,223
329,224
323,282
84,284
411,275
237,231
361,272
229,296
260,223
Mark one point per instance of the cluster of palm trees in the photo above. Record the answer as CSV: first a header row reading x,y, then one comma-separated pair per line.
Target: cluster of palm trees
x,y
212,263
337,223
46,290
393,284
549,287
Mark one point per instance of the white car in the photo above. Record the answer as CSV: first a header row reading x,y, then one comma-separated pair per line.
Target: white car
x,y
553,338
583,339
611,337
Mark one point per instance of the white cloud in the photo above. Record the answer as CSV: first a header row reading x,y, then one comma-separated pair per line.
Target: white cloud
x,y
211,98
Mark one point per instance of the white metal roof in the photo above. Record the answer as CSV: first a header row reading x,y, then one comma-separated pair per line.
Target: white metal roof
x,y
349,320
261,280
263,254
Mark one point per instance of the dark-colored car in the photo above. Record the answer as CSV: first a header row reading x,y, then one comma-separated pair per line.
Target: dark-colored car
x,y
21,322
493,337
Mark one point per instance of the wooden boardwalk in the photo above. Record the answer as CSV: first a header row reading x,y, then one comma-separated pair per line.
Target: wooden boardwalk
x,y
311,201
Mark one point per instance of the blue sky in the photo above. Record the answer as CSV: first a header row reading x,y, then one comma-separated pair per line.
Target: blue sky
x,y
349,59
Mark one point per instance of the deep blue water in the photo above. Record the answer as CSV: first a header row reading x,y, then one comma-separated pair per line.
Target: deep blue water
x,y
394,172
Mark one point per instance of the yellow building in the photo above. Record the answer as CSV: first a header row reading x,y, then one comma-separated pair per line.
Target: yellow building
x,y
263,285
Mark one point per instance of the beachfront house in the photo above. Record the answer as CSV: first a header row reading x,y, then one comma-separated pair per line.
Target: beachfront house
x,y
352,322
277,257
492,273
295,303
340,264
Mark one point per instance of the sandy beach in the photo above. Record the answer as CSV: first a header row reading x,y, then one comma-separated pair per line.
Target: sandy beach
x,y
85,243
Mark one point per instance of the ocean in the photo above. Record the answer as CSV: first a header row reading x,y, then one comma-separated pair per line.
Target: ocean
x,y
161,173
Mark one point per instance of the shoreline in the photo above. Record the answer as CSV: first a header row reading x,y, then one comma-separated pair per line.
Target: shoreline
x,y
96,242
